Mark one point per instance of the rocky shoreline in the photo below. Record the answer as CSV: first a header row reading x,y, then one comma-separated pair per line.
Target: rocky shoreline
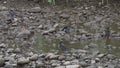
x,y
13,58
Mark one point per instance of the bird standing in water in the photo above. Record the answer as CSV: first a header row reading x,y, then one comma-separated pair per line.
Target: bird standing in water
x,y
62,46
107,35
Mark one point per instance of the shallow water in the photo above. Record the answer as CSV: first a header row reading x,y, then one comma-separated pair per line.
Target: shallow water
x,y
111,46
48,45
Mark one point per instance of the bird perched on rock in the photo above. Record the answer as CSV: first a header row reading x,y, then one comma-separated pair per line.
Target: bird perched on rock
x,y
11,14
62,46
65,29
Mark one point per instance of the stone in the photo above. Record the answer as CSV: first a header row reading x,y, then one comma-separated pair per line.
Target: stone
x,y
17,50
2,45
24,33
23,61
101,55
64,16
35,10
34,57
61,57
51,56
83,64
39,64
8,65
60,67
67,63
2,62
2,8
73,66
51,30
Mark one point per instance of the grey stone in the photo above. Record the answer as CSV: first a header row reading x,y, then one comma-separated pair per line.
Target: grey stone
x,y
73,66
23,61
35,10
34,57
2,62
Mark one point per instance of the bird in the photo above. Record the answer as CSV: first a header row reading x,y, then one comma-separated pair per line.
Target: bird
x,y
107,33
62,46
65,29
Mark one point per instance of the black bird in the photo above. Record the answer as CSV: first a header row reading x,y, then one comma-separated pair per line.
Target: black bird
x,y
62,47
11,14
65,29
107,33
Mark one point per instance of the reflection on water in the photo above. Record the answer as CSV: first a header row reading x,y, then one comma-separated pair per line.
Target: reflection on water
x,y
107,41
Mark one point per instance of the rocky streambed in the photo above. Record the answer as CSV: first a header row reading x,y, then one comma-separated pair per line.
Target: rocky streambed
x,y
29,37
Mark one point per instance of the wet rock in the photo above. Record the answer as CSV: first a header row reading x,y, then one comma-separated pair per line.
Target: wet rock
x,y
23,61
34,57
2,62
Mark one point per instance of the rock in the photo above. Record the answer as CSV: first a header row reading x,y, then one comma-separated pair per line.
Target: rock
x,y
111,66
100,67
35,10
51,56
83,64
2,45
73,66
2,8
64,16
24,33
23,61
10,50
34,57
8,65
51,30
60,67
17,50
2,62
93,61
67,63
101,55
39,64
61,57
55,64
